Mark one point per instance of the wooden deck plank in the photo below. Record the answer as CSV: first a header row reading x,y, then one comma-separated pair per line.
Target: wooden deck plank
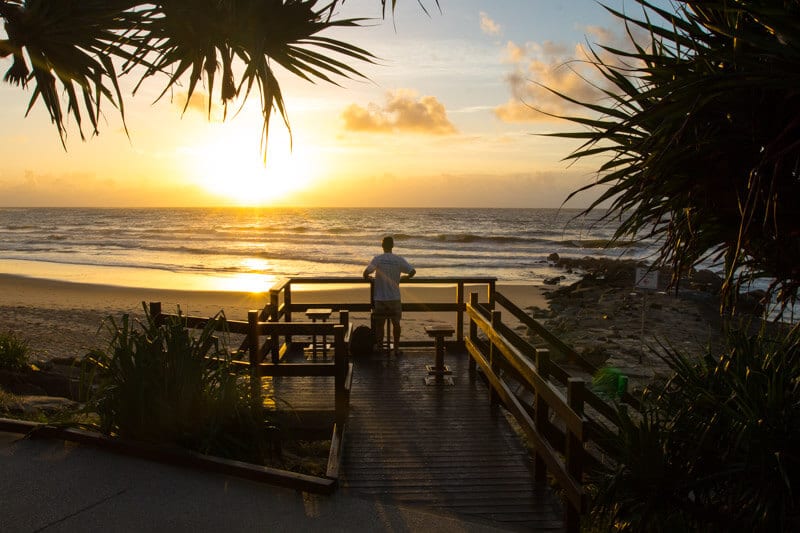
x,y
439,446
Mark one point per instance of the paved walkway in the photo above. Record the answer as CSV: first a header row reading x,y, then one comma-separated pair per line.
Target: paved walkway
x,y
53,486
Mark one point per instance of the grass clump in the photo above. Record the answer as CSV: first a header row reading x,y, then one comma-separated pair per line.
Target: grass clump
x,y
715,448
163,383
13,352
8,402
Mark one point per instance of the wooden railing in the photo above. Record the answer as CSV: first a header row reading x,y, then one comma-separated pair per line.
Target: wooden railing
x,y
558,413
561,348
260,338
497,356
282,305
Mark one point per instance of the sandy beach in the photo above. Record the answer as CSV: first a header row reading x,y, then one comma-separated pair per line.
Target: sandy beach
x,y
615,324
60,319
601,317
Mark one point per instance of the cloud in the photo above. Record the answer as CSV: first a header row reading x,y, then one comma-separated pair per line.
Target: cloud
x,y
540,70
514,52
529,189
488,26
81,189
403,112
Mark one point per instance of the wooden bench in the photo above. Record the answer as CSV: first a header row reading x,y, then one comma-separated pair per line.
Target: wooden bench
x,y
319,314
438,372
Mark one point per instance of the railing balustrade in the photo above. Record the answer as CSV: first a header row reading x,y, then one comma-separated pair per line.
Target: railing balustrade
x,y
283,299
558,413
498,357
254,329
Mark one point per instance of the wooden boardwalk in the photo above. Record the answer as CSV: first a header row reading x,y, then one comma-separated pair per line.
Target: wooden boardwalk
x,y
439,446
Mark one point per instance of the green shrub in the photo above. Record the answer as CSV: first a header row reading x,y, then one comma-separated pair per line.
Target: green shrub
x,y
13,352
162,384
717,448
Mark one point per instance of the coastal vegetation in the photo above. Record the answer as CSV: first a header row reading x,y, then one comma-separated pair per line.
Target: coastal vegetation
x,y
699,133
714,447
13,357
159,383
13,352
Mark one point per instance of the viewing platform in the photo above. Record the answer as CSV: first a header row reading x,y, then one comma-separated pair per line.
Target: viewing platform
x,y
488,443
476,418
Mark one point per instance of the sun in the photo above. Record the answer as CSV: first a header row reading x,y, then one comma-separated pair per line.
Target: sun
x,y
230,165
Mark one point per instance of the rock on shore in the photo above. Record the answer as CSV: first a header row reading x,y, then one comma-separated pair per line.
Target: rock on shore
x,y
612,323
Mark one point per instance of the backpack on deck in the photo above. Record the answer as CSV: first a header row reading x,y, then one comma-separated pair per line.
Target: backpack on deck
x,y
362,341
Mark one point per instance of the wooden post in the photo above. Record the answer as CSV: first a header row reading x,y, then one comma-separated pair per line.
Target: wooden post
x,y
341,363
493,396
473,332
273,317
344,320
287,308
439,358
372,293
255,356
287,302
576,388
460,312
155,312
491,294
274,304
542,414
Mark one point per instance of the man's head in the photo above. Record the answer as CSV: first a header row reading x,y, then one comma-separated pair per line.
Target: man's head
x,y
388,244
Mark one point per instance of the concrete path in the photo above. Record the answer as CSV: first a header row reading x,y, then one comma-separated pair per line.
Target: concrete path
x,y
53,486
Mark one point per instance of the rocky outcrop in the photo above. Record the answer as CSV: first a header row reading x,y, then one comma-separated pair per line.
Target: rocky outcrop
x,y
29,406
46,388
613,324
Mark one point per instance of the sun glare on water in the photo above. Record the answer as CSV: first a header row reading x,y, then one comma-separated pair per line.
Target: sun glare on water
x,y
231,166
256,277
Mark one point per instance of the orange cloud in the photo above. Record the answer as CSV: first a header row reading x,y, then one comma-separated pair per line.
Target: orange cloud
x,y
530,189
403,112
488,26
538,67
43,189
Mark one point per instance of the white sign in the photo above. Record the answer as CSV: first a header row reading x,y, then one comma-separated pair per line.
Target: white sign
x,y
646,279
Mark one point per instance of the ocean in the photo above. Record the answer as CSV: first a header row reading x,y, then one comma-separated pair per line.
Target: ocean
x,y
251,248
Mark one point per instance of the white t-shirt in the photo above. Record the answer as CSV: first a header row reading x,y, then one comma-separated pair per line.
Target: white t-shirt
x,y
388,267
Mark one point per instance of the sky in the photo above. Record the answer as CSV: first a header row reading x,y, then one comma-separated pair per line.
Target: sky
x,y
444,118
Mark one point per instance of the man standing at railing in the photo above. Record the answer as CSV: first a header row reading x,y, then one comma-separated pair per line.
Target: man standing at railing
x,y
388,269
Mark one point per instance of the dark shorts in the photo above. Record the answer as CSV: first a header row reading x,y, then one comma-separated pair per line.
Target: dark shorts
x,y
392,308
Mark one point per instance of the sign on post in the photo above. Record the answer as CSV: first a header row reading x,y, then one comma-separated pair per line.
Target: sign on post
x,y
646,279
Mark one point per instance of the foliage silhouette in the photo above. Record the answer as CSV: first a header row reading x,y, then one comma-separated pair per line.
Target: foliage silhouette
x,y
83,47
715,448
159,383
699,129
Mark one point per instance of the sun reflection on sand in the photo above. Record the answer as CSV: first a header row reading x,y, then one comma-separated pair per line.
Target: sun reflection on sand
x,y
254,279
243,283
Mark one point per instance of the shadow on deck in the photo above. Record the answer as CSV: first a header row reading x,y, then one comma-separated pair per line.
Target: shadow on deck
x,y
440,446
